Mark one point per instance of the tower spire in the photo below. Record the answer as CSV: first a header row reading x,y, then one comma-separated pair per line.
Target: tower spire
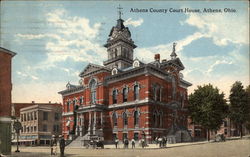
x,y
173,54
119,11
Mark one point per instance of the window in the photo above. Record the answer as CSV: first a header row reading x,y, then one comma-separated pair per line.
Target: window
x,y
31,129
114,118
24,128
155,119
45,128
35,129
136,92
28,129
124,136
57,116
21,117
225,131
136,136
160,119
114,95
45,115
81,101
136,118
125,94
35,115
31,116
68,106
92,86
157,92
125,119
56,128
114,137
197,132
28,114
225,123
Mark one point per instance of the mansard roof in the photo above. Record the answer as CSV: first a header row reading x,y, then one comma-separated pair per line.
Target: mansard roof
x,y
173,62
93,68
71,89
119,33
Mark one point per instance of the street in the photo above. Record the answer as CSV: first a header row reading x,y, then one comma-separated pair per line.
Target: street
x,y
232,148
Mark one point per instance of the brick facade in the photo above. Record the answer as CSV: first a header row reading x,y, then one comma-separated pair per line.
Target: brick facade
x,y
127,98
5,100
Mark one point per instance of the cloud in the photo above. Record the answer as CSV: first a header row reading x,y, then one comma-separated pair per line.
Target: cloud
x,y
72,37
223,29
218,62
134,23
27,75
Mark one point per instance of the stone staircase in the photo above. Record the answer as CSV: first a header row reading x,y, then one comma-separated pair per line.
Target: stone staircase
x,y
78,142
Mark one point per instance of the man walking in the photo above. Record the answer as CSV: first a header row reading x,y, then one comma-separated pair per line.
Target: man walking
x,y
62,146
116,142
133,143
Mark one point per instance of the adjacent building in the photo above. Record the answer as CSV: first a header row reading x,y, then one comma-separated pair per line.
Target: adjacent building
x,y
39,122
126,98
5,100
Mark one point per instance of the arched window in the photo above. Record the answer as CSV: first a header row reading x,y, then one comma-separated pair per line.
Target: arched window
x,y
114,96
125,94
114,118
136,118
155,119
92,86
68,106
136,92
157,92
125,118
160,119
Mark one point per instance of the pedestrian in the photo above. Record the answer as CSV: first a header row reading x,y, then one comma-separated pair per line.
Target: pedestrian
x,y
156,140
116,142
126,143
62,146
51,145
55,147
133,143
143,143
164,142
160,142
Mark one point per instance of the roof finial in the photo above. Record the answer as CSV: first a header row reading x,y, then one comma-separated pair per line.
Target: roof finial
x,y
119,11
173,54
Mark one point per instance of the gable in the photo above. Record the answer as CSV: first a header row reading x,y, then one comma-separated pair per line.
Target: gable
x,y
90,68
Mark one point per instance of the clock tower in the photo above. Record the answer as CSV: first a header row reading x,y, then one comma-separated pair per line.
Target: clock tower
x,y
120,46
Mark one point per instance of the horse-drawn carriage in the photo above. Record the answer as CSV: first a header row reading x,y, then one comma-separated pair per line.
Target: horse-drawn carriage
x,y
94,142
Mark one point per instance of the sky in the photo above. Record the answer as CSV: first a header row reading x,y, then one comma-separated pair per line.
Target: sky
x,y
55,40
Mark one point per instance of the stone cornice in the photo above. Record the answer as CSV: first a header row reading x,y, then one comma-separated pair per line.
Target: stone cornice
x,y
71,90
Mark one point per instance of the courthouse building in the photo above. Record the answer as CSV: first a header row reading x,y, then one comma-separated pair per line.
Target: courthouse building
x,y
126,98
5,100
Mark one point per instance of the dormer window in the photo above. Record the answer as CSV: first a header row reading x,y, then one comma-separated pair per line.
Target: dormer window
x,y
136,64
114,71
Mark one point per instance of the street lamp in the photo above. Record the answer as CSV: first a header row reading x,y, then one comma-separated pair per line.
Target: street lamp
x,y
17,126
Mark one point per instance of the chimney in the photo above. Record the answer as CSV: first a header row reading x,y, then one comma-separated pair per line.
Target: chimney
x,y
32,102
157,57
49,102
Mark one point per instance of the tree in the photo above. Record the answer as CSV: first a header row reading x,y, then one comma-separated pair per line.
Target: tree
x,y
239,107
207,107
248,102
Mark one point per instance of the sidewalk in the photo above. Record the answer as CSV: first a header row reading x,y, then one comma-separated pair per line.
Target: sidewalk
x,y
150,146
